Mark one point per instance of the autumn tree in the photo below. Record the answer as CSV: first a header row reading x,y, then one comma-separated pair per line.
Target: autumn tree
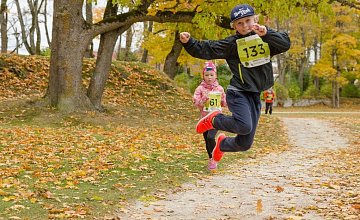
x,y
170,54
306,26
71,37
340,55
31,38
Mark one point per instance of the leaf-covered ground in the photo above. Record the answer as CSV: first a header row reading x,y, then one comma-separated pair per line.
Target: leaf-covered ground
x,y
87,165
91,165
317,178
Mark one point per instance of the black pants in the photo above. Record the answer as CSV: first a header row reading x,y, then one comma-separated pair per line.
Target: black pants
x,y
209,137
268,108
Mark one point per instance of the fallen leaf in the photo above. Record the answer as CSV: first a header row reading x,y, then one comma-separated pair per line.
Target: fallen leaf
x,y
279,189
3,193
356,206
259,206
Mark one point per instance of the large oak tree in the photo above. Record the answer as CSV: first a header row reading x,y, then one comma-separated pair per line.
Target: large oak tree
x,y
71,37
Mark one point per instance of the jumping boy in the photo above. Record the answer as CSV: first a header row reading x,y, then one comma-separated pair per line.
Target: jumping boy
x,y
248,54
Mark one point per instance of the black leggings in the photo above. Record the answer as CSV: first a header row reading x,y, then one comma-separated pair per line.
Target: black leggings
x,y
209,137
268,108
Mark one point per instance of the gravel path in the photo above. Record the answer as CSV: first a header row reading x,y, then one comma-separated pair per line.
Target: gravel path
x,y
277,186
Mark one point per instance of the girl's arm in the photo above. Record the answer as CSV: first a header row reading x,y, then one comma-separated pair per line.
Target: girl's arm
x,y
199,99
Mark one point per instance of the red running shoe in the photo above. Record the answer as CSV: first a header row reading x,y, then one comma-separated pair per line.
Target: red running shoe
x,y
205,123
217,154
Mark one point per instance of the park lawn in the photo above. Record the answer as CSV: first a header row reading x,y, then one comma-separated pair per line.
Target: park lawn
x,y
87,165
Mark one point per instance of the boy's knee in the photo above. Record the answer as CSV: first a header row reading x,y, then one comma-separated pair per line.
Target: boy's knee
x,y
243,129
243,143
244,148
239,148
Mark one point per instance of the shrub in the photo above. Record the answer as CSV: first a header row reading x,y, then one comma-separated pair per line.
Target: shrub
x,y
326,90
223,69
194,82
224,81
281,93
294,91
130,57
350,91
45,52
311,92
182,80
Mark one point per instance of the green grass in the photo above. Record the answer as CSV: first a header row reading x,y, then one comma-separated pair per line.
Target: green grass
x,y
91,168
149,160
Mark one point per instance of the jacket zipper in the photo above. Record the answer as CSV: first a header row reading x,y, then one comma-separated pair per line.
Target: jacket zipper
x,y
240,74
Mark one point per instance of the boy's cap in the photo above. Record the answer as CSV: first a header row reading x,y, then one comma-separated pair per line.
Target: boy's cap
x,y
209,66
241,11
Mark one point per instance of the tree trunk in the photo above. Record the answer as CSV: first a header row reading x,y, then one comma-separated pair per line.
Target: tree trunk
x,y
118,55
337,97
316,58
333,94
129,37
71,36
335,85
147,30
337,91
45,24
301,73
280,59
89,19
104,59
281,68
3,21
170,67
36,12
303,61
66,91
102,68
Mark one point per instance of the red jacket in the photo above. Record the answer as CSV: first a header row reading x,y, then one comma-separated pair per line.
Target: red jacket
x,y
269,96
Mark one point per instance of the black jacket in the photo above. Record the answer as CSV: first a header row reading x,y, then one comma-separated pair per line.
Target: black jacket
x,y
255,79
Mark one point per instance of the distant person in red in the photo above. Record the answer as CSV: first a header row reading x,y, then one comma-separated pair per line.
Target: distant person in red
x,y
269,97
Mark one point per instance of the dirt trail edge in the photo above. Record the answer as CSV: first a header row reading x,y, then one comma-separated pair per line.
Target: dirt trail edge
x,y
277,186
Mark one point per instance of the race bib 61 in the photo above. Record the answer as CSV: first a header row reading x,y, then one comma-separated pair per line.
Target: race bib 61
x,y
214,102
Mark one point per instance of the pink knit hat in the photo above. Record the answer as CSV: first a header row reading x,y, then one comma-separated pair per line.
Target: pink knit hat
x,y
209,66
